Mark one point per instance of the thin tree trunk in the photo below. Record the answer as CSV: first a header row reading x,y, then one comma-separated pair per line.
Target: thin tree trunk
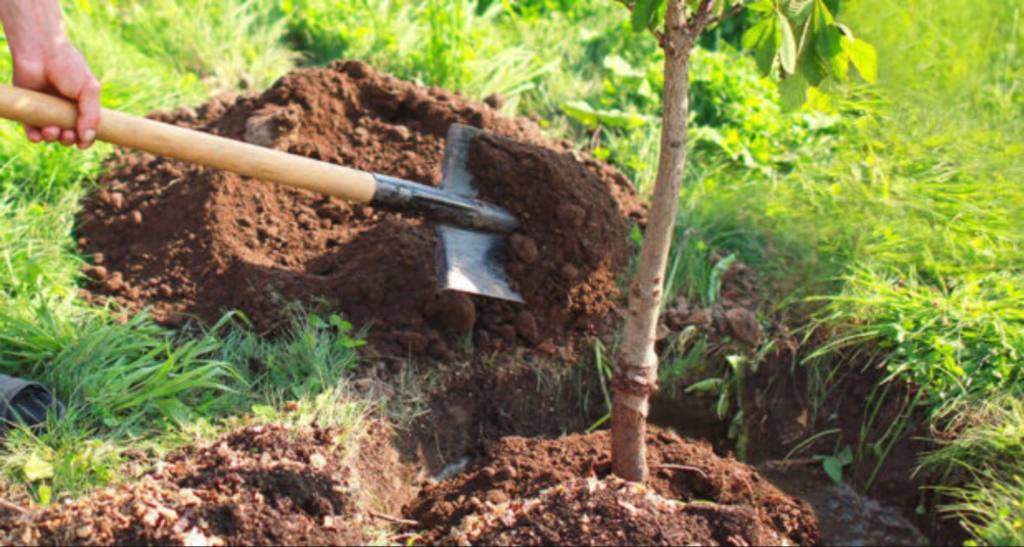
x,y
636,372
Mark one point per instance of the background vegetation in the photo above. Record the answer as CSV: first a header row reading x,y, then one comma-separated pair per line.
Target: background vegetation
x,y
886,216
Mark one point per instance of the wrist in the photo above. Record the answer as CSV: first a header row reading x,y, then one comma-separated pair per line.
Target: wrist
x,y
34,28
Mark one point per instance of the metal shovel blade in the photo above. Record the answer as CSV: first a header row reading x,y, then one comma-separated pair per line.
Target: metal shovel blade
x,y
469,260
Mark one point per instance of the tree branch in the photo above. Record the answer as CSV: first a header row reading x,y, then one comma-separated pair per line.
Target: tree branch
x,y
658,35
732,12
700,18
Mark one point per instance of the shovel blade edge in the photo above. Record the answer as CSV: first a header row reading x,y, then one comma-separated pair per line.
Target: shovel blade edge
x,y
473,262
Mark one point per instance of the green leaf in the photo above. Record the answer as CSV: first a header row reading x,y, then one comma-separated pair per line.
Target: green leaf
x,y
643,13
709,385
797,10
829,42
621,68
737,361
845,456
36,468
811,67
722,407
587,115
864,58
764,38
833,468
787,47
793,92
263,412
45,494
822,16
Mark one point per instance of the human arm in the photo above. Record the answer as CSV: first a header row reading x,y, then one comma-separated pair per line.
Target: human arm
x,y
45,60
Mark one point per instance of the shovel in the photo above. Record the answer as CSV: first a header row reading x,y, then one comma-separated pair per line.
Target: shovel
x,y
470,242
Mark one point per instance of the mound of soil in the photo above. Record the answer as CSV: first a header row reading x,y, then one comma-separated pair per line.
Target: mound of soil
x,y
261,485
611,512
190,241
518,468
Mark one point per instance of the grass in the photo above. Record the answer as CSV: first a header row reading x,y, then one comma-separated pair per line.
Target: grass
x,y
889,215
982,465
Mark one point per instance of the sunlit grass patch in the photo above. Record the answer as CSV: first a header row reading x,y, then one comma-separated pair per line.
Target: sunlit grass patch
x,y
982,463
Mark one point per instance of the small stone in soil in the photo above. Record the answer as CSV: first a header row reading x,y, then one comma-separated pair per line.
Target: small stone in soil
x,y
97,273
572,215
116,200
526,326
495,100
524,248
399,132
453,311
114,283
507,333
743,326
698,318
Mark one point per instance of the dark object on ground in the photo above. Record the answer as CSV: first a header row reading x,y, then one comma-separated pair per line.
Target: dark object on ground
x,y
24,402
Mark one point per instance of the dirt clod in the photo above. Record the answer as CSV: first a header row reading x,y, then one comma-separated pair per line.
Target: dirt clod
x,y
114,283
526,326
743,326
452,311
523,248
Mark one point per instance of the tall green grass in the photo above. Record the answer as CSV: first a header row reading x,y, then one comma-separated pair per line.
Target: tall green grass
x,y
981,469
448,43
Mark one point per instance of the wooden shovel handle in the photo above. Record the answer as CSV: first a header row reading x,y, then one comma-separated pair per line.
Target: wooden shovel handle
x,y
162,139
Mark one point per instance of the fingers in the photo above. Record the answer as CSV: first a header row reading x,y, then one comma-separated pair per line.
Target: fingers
x,y
33,133
72,78
51,133
88,112
63,73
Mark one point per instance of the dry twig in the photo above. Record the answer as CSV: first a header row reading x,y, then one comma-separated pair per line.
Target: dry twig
x,y
390,518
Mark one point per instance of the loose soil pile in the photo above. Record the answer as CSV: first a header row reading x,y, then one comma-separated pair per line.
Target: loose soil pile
x,y
611,512
190,241
258,485
496,497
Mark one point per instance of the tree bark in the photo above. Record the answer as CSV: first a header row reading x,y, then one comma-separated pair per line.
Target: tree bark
x,y
636,372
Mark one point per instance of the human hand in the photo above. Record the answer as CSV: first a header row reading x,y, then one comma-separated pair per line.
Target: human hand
x,y
44,60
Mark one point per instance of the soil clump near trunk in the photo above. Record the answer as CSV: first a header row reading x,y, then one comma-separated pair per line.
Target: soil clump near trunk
x,y
497,500
188,242
262,484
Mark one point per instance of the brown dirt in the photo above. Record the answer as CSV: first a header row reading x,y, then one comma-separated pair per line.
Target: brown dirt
x,y
517,468
572,243
189,241
262,484
611,511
